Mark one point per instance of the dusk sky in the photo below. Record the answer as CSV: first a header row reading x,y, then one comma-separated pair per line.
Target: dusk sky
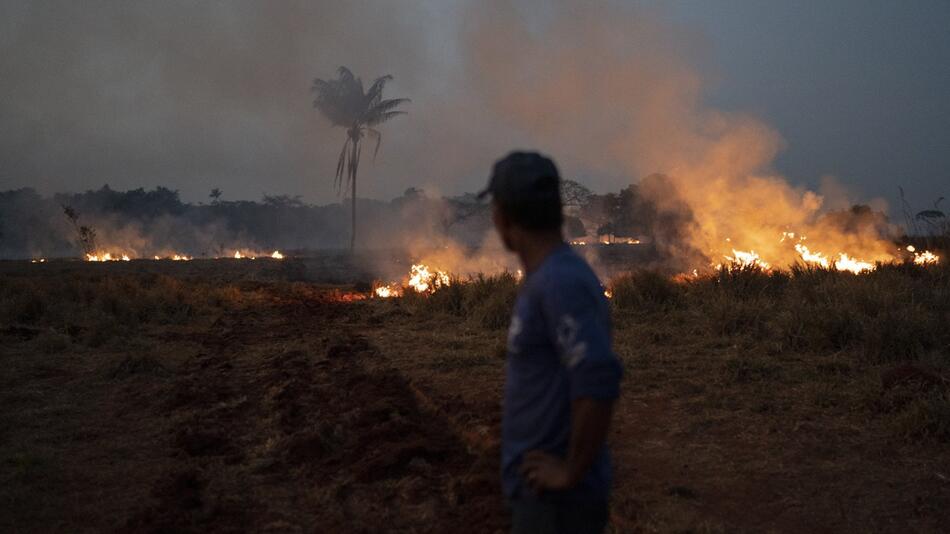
x,y
197,95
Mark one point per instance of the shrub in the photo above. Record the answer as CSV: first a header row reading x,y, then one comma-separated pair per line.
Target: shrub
x,y
645,290
487,300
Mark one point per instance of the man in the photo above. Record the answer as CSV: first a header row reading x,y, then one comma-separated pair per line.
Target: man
x,y
562,376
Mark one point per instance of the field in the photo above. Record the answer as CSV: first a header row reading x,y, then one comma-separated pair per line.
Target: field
x,y
223,395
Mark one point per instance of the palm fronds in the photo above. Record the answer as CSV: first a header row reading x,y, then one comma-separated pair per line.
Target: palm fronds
x,y
345,103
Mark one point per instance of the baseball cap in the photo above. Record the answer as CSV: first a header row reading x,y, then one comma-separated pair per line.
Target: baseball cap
x,y
521,177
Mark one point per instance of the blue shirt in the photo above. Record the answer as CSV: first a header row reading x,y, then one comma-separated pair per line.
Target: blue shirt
x,y
558,350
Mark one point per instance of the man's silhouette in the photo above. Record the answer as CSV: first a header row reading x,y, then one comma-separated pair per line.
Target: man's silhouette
x,y
562,376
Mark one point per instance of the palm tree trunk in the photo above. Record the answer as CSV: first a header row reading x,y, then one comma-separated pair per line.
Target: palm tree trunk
x,y
353,162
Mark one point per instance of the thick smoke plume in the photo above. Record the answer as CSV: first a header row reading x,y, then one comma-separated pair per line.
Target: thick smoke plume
x,y
200,95
618,91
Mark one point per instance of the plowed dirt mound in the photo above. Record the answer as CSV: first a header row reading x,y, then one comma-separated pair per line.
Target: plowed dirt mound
x,y
312,439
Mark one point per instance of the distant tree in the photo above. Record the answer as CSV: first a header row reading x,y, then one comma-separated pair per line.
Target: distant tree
x,y
574,227
284,201
460,209
85,235
215,195
414,192
345,104
935,219
574,194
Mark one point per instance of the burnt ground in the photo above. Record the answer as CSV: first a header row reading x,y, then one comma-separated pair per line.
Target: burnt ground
x,y
299,411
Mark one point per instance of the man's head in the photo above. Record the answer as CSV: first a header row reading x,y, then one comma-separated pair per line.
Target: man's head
x,y
526,198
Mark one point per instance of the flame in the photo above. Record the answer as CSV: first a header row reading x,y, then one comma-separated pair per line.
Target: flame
x,y
742,258
422,279
925,258
608,293
38,260
277,255
811,257
846,263
99,256
387,291
238,255
840,261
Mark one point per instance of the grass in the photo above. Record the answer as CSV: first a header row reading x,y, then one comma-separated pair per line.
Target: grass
x,y
485,300
744,391
853,329
840,330
895,313
92,309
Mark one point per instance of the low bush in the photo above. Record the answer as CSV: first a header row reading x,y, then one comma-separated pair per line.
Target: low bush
x,y
486,300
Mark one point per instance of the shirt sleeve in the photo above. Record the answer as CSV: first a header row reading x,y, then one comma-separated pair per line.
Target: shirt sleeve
x,y
579,325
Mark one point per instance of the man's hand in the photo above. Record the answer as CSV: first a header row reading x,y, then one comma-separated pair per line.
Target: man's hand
x,y
543,471
589,421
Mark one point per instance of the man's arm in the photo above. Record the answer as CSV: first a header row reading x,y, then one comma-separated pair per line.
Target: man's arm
x,y
590,421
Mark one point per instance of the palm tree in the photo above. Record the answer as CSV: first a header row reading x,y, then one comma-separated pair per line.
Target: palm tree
x,y
344,102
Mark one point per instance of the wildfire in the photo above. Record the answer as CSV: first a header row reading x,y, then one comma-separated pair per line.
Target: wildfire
x,y
841,261
387,291
38,260
925,258
747,259
238,255
846,263
811,257
107,257
421,279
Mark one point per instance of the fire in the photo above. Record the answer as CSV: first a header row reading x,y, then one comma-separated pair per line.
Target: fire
x,y
107,257
840,261
811,257
747,259
387,291
846,263
251,255
925,258
422,279
38,260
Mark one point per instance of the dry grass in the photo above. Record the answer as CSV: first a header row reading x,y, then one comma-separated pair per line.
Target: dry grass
x,y
752,401
484,300
846,326
92,310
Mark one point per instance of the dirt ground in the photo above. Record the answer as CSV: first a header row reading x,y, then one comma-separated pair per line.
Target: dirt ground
x,y
303,411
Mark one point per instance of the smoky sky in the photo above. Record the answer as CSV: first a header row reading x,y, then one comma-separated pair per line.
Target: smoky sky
x,y
197,95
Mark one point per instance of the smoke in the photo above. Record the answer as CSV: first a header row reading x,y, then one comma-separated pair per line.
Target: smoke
x,y
200,95
618,91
